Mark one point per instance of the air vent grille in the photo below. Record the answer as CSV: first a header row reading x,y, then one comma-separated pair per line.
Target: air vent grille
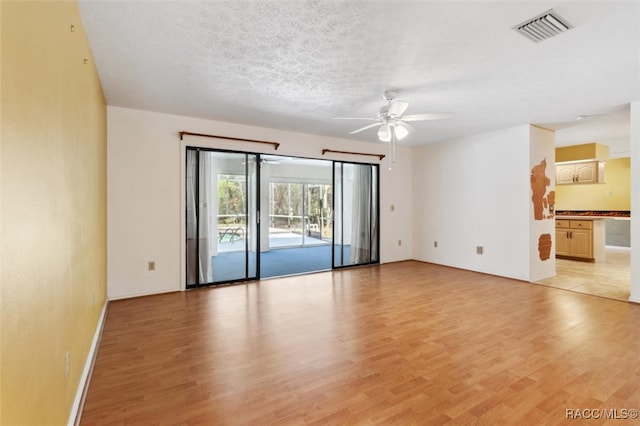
x,y
543,26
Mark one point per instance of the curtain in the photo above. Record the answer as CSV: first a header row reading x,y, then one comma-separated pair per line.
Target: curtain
x,y
207,214
199,217
361,217
374,214
192,219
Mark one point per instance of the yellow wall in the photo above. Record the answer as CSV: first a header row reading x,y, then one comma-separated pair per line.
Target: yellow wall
x,y
53,202
614,194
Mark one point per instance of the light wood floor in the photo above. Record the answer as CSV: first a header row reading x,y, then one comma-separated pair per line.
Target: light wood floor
x,y
610,278
400,343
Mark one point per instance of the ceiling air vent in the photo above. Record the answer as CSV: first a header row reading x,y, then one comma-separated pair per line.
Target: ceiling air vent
x,y
543,26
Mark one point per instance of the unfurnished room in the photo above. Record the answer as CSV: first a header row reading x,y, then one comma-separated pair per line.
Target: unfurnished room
x,y
300,212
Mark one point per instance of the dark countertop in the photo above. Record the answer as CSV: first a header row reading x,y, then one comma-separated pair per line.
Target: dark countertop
x,y
592,214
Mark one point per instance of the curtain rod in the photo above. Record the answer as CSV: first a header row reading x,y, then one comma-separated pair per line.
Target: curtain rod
x,y
275,144
380,156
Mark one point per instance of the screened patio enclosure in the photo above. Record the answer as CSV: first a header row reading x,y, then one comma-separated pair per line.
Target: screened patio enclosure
x,y
259,216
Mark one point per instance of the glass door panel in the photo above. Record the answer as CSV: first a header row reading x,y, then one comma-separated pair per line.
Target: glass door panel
x,y
356,214
285,214
317,212
298,192
221,210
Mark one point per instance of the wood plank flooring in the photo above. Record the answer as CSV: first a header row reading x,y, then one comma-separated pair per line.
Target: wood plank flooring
x,y
400,343
610,278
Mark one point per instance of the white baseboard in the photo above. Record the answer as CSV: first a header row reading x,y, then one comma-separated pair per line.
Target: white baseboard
x,y
83,386
113,297
621,248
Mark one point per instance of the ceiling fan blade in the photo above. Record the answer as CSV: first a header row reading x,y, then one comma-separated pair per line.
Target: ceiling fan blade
x,y
424,117
397,108
365,128
354,118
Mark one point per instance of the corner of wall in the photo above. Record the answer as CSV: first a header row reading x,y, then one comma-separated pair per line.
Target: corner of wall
x,y
542,201
635,199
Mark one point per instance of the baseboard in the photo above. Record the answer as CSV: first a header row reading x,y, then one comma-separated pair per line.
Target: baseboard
x,y
149,293
621,248
83,386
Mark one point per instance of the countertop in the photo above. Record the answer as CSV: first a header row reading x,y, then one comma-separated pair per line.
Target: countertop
x,y
593,215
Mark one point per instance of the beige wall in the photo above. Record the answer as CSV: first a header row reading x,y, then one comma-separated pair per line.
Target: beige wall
x,y
146,202
53,192
464,198
614,194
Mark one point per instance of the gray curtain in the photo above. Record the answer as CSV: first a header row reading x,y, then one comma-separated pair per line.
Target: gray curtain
x,y
361,215
198,252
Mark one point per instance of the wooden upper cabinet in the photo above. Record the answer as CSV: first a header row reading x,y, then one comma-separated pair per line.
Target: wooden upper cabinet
x,y
565,173
587,172
572,173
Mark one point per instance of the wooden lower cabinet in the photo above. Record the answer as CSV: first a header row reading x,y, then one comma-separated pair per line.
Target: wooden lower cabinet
x,y
577,239
563,243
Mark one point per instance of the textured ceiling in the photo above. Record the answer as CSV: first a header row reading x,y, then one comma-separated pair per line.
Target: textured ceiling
x,y
294,64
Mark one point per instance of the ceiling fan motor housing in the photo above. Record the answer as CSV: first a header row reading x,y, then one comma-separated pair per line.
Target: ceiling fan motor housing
x,y
389,95
383,112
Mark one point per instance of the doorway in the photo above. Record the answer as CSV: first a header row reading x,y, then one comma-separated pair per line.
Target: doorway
x,y
298,193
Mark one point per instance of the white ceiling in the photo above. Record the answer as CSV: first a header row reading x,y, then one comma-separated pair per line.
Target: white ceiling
x,y
295,64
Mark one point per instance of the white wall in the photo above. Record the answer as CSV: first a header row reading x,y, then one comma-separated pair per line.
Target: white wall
x,y
146,192
635,202
472,192
542,148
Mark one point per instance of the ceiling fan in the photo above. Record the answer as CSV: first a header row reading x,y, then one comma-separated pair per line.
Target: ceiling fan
x,y
393,124
390,117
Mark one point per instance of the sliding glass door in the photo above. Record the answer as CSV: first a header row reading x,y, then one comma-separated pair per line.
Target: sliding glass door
x,y
356,214
221,228
252,216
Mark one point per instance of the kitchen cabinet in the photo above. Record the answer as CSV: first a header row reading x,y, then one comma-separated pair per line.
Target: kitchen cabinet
x,y
580,239
572,173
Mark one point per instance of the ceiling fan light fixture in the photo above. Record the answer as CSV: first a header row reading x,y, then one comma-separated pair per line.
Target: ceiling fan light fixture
x,y
384,133
401,130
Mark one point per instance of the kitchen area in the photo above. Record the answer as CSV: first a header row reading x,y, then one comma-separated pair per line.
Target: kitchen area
x,y
592,221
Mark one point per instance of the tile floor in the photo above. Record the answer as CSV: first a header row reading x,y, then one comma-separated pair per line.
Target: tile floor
x,y
610,279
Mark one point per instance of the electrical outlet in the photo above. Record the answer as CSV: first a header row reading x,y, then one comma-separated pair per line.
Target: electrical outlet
x,y
152,265
479,250
399,242
435,244
392,208
67,364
